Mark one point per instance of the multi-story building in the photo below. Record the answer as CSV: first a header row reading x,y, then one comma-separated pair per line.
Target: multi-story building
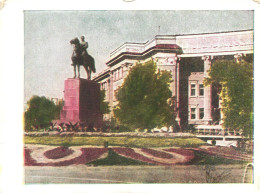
x,y
188,58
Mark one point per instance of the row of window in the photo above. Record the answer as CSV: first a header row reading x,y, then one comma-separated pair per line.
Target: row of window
x,y
118,74
193,113
193,90
103,85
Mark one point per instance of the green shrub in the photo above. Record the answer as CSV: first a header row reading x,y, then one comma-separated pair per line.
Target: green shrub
x,y
114,141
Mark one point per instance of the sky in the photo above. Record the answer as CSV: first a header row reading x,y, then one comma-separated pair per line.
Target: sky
x,y
47,51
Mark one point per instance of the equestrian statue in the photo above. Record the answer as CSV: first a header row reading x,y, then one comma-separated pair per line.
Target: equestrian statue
x,y
80,57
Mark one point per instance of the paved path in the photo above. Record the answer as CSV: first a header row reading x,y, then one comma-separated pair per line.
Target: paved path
x,y
130,174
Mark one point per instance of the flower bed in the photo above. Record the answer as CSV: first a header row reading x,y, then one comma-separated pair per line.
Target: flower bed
x,y
159,154
130,153
189,154
153,157
88,155
145,155
58,152
28,161
60,156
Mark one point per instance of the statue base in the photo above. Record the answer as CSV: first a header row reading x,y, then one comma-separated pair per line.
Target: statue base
x,y
82,102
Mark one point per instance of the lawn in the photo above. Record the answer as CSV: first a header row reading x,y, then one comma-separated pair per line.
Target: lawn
x,y
114,141
115,159
202,158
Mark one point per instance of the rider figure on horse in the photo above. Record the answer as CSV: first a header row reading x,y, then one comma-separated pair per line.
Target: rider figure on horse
x,y
84,46
80,56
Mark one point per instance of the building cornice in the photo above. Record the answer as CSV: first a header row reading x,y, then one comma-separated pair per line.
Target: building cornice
x,y
168,48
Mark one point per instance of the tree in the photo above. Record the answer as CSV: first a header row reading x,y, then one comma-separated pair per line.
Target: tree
x,y
41,111
104,106
145,100
235,81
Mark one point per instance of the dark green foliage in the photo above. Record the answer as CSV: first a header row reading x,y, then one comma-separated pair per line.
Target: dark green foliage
x,y
58,109
235,82
41,111
115,159
145,98
104,106
202,158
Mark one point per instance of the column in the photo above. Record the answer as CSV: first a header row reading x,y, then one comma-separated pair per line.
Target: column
x,y
221,122
177,88
111,90
207,91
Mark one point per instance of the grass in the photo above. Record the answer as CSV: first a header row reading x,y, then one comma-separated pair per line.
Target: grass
x,y
113,141
202,158
115,159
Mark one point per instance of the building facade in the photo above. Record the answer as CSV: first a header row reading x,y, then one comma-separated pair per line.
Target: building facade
x,y
188,58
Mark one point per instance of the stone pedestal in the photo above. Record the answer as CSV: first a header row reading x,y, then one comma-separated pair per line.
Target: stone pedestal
x,y
81,102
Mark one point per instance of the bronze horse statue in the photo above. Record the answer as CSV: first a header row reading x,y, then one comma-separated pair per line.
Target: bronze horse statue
x,y
81,58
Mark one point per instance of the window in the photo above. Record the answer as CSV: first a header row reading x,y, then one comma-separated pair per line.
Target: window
x,y
193,90
201,113
104,86
193,113
201,90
